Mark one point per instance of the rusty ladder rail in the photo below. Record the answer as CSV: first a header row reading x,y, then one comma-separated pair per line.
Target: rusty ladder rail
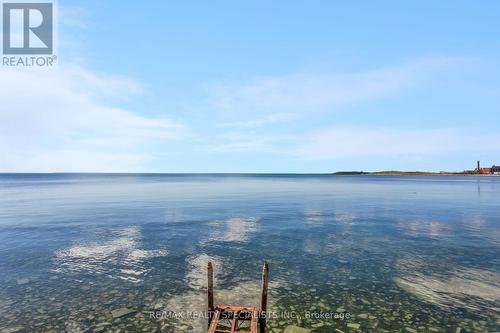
x,y
235,314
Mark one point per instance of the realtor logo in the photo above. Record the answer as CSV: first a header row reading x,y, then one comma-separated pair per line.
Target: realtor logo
x,y
28,29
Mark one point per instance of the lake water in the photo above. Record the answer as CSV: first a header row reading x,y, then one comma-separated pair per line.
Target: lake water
x,y
99,253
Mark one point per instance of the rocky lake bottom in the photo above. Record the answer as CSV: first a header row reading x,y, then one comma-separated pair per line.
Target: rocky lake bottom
x,y
128,253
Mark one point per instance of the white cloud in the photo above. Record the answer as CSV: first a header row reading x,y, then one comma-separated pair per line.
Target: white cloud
x,y
347,142
303,93
70,119
265,120
64,120
246,141
264,102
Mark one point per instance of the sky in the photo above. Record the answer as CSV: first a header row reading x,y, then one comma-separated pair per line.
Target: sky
x,y
259,86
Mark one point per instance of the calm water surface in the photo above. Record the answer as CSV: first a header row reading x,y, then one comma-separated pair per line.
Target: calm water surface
x,y
409,254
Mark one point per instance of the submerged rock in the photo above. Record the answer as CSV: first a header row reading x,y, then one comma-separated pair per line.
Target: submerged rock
x,y
353,325
122,312
296,329
15,329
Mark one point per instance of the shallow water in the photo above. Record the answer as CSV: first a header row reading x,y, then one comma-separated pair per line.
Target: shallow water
x,y
395,253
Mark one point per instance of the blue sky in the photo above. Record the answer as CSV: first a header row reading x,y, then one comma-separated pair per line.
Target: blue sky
x,y
259,86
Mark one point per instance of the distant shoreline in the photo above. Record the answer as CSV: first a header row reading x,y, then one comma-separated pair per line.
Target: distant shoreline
x,y
409,173
338,173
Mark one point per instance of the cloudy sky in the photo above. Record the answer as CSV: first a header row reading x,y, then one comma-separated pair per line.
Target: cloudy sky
x,y
259,86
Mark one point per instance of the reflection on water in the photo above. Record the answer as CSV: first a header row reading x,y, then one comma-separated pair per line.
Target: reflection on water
x,y
233,229
473,289
119,256
99,253
430,229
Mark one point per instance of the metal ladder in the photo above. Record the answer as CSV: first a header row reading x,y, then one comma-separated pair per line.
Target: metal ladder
x,y
238,318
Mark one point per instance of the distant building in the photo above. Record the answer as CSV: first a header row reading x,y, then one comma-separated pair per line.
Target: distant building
x,y
485,171
494,170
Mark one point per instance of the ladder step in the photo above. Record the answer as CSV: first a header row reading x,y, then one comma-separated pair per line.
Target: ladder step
x,y
236,315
